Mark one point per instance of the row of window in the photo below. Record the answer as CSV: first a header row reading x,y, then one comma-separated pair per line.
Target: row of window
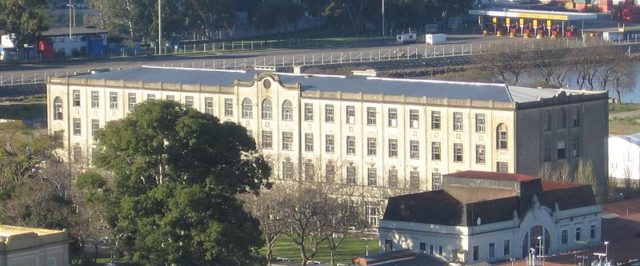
x,y
578,234
506,250
562,121
372,150
313,174
561,149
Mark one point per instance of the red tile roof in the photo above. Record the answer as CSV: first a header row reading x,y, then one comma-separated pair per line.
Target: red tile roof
x,y
623,208
493,176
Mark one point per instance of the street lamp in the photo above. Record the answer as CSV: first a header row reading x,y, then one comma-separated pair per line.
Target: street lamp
x,y
159,27
72,18
606,251
383,19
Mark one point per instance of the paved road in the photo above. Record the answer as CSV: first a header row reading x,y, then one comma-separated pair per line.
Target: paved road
x,y
458,44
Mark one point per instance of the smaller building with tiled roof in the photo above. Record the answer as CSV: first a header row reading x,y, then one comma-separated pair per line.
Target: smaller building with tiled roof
x,y
490,217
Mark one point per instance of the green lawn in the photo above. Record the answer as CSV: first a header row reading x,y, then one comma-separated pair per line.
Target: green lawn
x,y
351,247
624,119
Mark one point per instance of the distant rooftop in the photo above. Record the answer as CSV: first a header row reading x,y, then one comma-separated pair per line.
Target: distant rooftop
x,y
10,230
334,83
74,31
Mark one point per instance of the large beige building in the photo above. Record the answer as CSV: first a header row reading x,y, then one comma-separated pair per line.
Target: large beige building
x,y
23,246
370,132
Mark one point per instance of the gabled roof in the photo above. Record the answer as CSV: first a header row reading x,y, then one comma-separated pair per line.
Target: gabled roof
x,y
334,83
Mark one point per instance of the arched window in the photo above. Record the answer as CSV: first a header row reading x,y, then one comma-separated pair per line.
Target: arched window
x,y
57,109
266,109
502,137
247,109
287,111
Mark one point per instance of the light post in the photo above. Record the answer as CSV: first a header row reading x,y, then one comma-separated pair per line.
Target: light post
x,y
72,17
606,251
383,33
159,27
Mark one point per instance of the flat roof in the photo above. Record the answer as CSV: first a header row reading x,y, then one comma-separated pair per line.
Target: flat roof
x,y
74,31
493,176
333,83
10,230
534,14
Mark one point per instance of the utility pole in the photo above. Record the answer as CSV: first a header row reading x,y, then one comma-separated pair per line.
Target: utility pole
x,y
159,27
383,33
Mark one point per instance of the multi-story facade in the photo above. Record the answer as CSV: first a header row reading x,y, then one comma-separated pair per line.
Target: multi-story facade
x,y
368,132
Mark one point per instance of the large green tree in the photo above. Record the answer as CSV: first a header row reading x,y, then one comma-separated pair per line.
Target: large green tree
x,y
177,173
24,18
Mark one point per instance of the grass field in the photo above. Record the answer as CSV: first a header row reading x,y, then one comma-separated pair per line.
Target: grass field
x,y
624,119
349,249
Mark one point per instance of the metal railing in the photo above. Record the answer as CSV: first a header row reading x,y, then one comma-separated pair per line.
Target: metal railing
x,y
333,58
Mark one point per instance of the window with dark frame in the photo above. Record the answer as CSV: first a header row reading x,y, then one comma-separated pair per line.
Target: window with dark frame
x,y
435,119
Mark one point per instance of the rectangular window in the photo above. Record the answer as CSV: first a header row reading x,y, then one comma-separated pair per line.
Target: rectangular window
x,y
371,116
171,98
287,141
480,123
576,118
393,178
565,237
480,154
423,246
113,100
414,179
492,250
562,152
351,175
188,102
430,249
578,233
95,99
267,139
436,181
435,119
457,152
457,121
592,232
351,114
77,129
575,147
414,149
330,172
393,117
308,112
502,167
435,151
287,170
330,144
393,148
132,101
414,119
77,153
95,125
547,150
351,145
476,253
308,142
208,105
440,250
228,107
371,146
309,171
151,97
328,113
372,177
76,98
506,248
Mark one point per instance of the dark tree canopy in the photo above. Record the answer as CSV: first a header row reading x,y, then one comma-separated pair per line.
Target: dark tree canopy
x,y
23,18
177,173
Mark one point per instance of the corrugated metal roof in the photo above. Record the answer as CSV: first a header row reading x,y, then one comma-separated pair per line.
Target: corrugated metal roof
x,y
351,84
74,31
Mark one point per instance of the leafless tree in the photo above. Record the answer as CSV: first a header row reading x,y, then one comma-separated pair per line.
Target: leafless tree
x,y
267,207
507,65
618,74
550,64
